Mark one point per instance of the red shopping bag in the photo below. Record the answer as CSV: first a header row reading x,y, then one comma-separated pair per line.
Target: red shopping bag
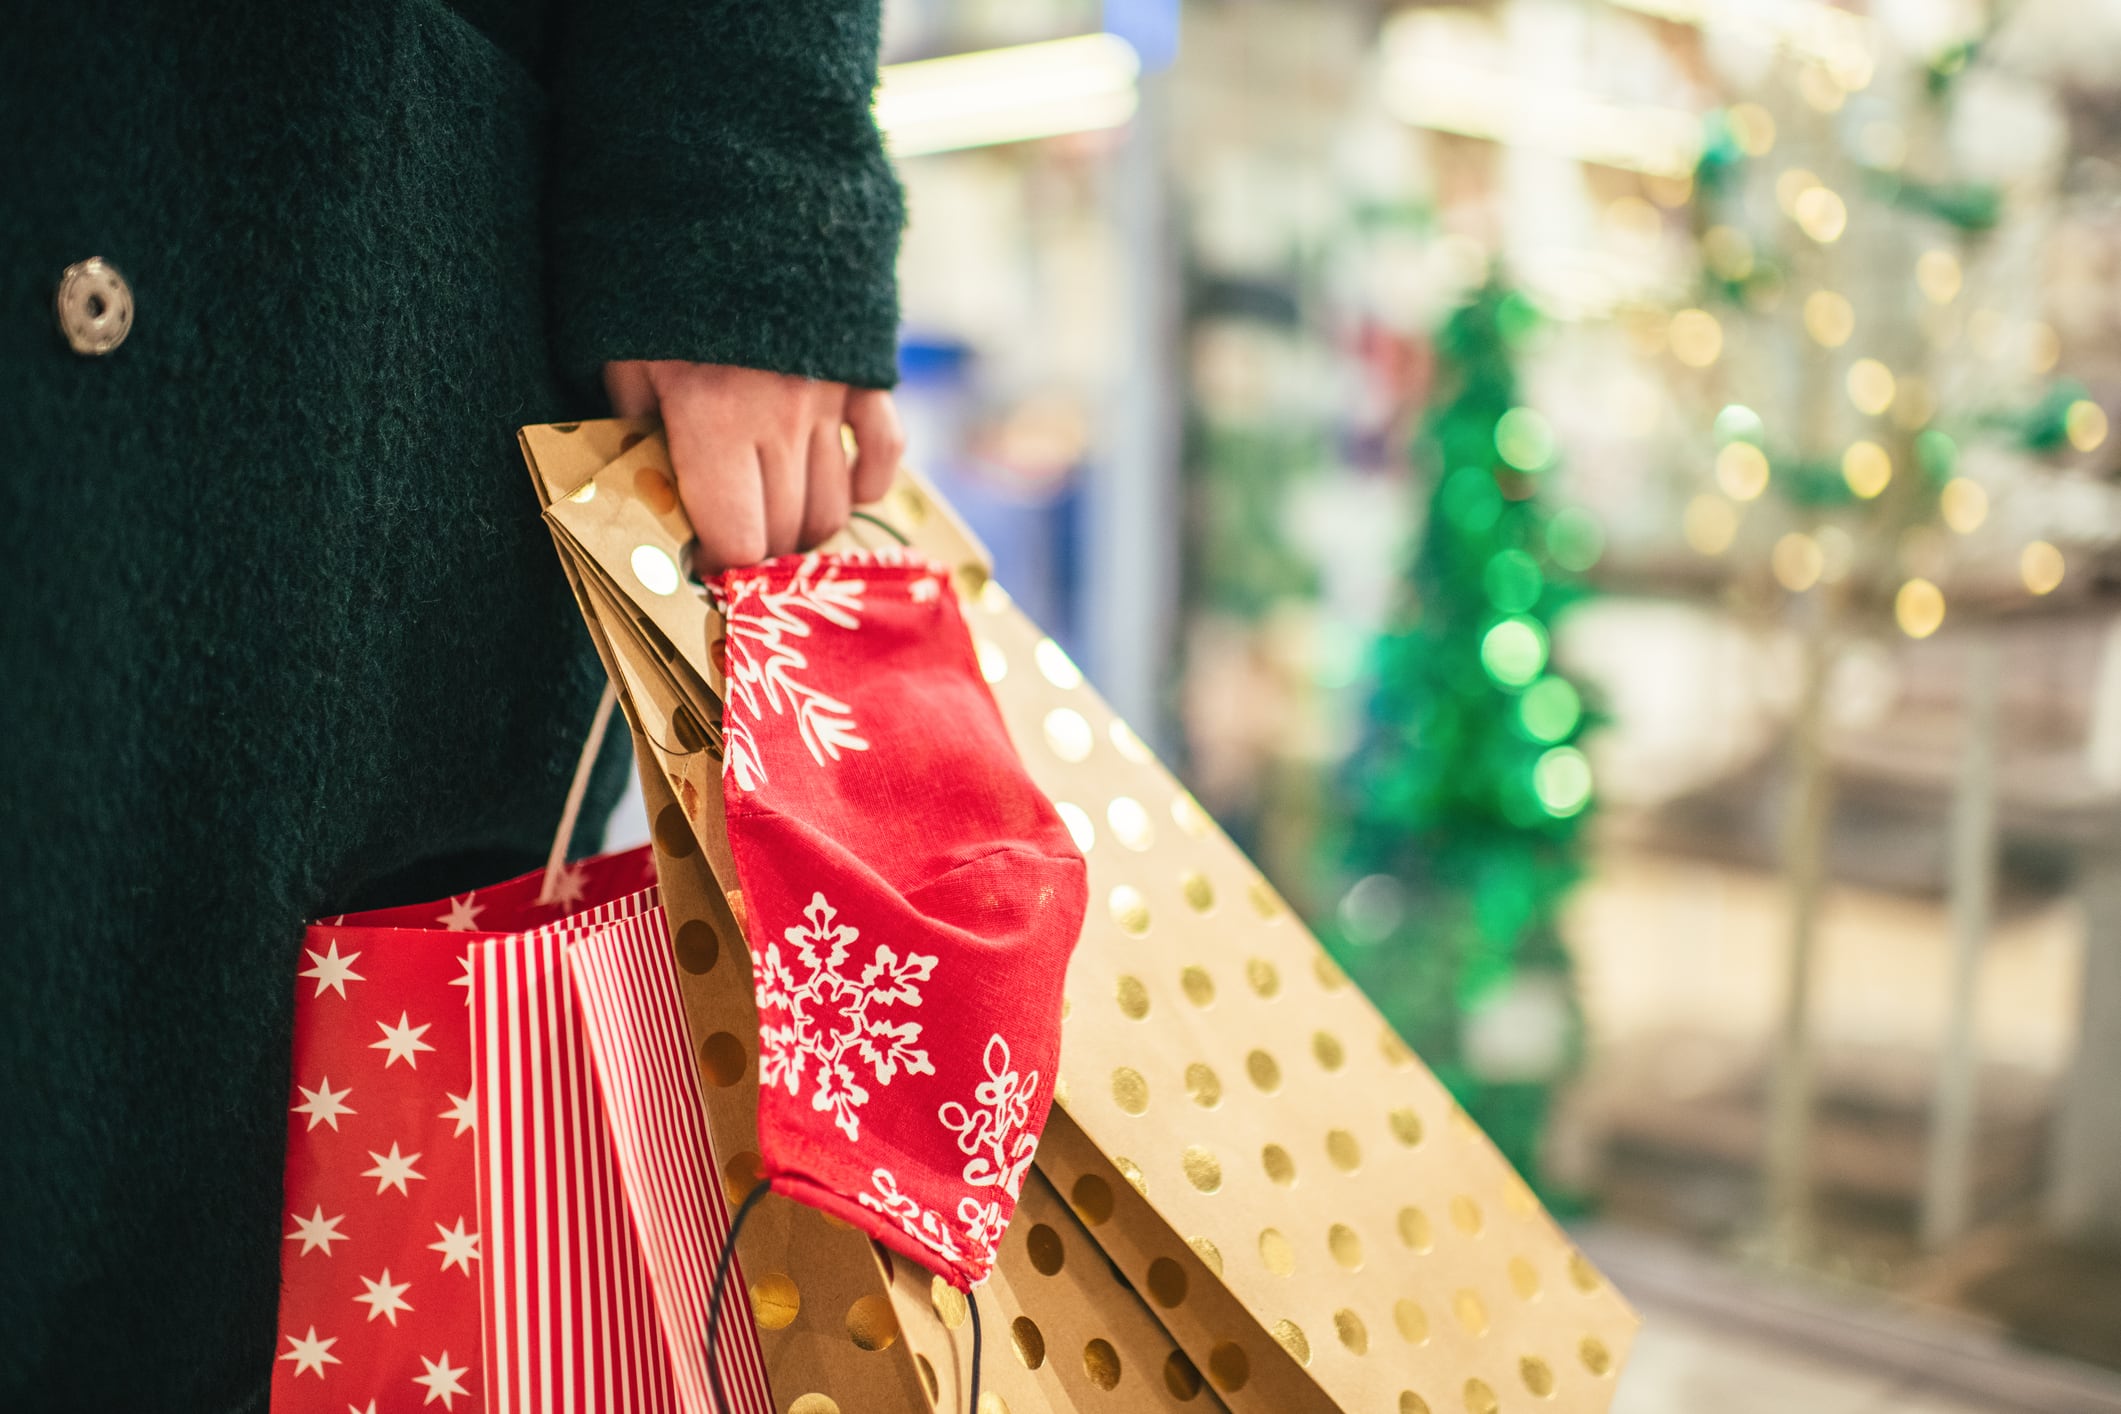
x,y
403,1197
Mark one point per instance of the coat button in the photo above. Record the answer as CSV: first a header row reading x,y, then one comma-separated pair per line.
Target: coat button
x,y
95,306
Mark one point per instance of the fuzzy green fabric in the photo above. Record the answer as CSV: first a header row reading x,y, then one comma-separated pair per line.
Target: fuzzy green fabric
x,y
283,632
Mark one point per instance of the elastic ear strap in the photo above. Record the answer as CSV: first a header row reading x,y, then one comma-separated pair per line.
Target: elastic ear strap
x,y
714,1299
556,859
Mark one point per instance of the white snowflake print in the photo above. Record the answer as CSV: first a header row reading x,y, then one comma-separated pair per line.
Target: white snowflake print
x,y
923,1225
814,1014
997,1137
764,628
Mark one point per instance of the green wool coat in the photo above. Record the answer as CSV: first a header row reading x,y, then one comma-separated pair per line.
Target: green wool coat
x,y
283,632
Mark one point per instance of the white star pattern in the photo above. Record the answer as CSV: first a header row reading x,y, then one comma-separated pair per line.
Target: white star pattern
x,y
465,980
371,1409
332,971
310,1354
568,886
462,1110
385,1298
316,1231
402,1041
324,1105
391,1172
441,1381
458,1247
463,914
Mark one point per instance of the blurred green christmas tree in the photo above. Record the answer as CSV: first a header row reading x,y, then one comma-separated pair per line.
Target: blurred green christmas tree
x,y
1463,806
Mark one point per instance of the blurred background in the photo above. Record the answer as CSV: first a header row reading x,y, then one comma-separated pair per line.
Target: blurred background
x,y
1612,503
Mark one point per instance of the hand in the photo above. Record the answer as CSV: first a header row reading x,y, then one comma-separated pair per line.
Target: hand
x,y
760,466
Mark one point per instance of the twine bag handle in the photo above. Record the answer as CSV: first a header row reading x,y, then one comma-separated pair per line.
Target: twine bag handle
x,y
571,813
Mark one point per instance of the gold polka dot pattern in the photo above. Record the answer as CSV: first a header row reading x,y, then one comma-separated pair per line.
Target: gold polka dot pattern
x,y
1198,986
1367,1141
1129,1091
872,1324
1028,1342
1130,911
1101,1364
1275,1253
775,1301
1203,1170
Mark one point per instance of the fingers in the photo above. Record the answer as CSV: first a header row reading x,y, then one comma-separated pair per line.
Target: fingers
x,y
760,465
826,506
781,465
879,442
718,472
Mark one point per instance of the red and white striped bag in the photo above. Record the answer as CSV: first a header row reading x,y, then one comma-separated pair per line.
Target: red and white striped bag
x,y
597,1184
499,1189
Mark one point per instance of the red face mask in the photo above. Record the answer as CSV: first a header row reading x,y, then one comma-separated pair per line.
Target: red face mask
x,y
910,898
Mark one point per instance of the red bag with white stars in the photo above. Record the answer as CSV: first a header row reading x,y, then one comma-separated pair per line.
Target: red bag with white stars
x,y
910,896
399,1166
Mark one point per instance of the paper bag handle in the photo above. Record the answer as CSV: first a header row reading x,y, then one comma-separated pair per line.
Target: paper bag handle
x,y
556,858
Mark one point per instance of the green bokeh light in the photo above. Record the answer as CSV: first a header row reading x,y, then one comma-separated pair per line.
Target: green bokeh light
x,y
1575,539
1471,499
1514,651
1562,781
1524,439
1549,710
1513,581
1739,423
1937,454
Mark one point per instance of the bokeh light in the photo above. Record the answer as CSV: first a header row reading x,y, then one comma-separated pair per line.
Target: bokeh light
x,y
1471,499
1513,581
1524,439
1919,608
1562,781
1871,386
1821,214
2040,566
1696,337
2086,424
1738,423
1867,468
1742,471
1790,188
1829,318
1937,275
1964,503
1514,651
1549,709
1711,524
1575,539
1798,562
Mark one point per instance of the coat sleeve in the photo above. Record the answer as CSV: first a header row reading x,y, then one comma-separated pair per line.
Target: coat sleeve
x,y
719,192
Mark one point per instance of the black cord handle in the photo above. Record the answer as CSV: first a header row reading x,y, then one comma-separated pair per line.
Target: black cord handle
x,y
721,1286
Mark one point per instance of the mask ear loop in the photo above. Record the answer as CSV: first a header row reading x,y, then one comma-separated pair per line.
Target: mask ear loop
x,y
714,1300
721,1287
881,524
